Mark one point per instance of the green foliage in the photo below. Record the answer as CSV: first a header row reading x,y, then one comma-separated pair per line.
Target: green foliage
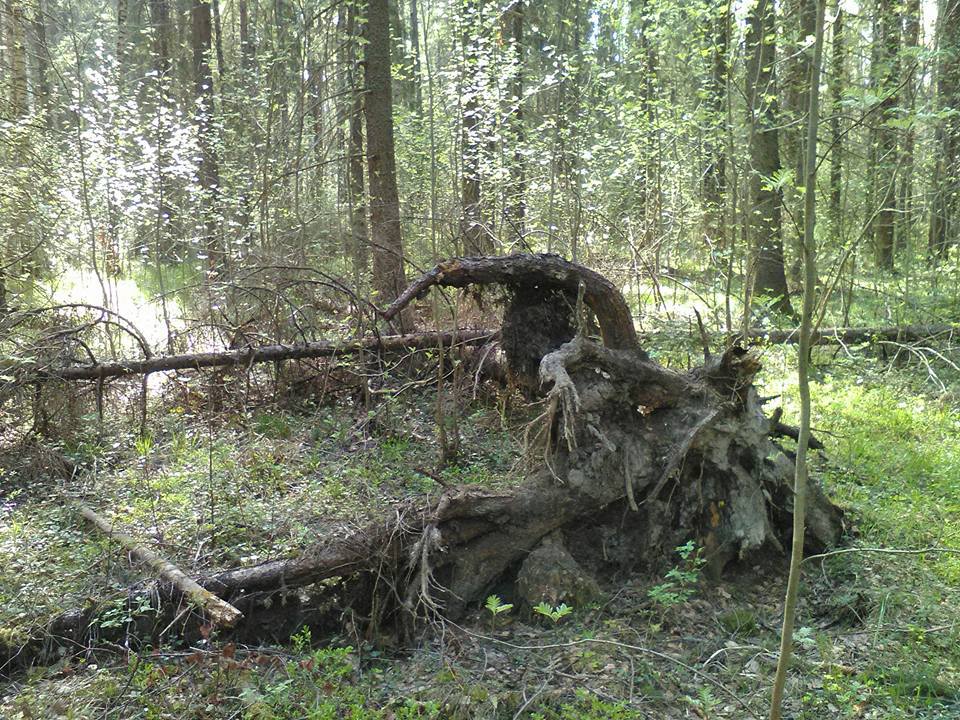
x,y
741,622
681,580
272,426
588,706
496,607
122,613
553,613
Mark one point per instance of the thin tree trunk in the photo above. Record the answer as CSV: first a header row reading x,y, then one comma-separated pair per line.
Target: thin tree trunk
x,y
17,51
218,39
714,177
415,56
797,96
476,239
121,37
222,614
162,33
800,489
41,62
911,41
359,235
246,43
837,85
884,171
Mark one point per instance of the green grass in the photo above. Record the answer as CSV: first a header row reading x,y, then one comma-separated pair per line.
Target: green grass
x,y
247,490
895,456
878,638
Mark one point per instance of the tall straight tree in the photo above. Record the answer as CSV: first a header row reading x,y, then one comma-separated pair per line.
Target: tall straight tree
x,y
201,42
476,238
514,209
386,238
162,31
800,18
765,200
17,54
16,107
911,42
800,489
945,207
359,237
415,58
886,79
837,82
715,175
121,38
41,60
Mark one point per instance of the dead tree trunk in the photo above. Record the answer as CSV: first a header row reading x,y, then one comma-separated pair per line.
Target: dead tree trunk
x,y
636,459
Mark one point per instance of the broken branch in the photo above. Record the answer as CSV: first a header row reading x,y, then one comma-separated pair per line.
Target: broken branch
x,y
220,612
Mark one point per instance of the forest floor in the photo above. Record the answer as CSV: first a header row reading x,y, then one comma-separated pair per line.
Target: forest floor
x,y
878,636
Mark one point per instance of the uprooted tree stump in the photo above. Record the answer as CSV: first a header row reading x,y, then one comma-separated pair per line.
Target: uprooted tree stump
x,y
633,459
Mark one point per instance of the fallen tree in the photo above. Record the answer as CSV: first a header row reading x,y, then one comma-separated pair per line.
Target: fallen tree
x,y
858,335
221,614
246,356
631,460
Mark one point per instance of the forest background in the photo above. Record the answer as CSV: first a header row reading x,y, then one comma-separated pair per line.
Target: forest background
x,y
184,176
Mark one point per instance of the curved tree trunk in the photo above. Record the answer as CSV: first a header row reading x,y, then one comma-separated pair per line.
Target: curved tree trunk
x,y
636,458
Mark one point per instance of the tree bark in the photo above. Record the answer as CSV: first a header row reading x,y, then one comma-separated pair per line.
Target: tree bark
x,y
945,206
911,42
41,62
121,38
162,34
477,240
885,73
714,186
415,58
17,51
247,49
837,82
801,16
386,238
765,201
359,235
515,210
201,42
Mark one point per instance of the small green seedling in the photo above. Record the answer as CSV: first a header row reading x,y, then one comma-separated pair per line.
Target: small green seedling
x,y
682,580
554,613
496,606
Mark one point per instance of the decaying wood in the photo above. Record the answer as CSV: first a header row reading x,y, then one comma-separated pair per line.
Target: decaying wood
x,y
781,429
248,356
527,271
221,614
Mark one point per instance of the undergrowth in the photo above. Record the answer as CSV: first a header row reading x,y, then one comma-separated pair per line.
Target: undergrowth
x,y
877,637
